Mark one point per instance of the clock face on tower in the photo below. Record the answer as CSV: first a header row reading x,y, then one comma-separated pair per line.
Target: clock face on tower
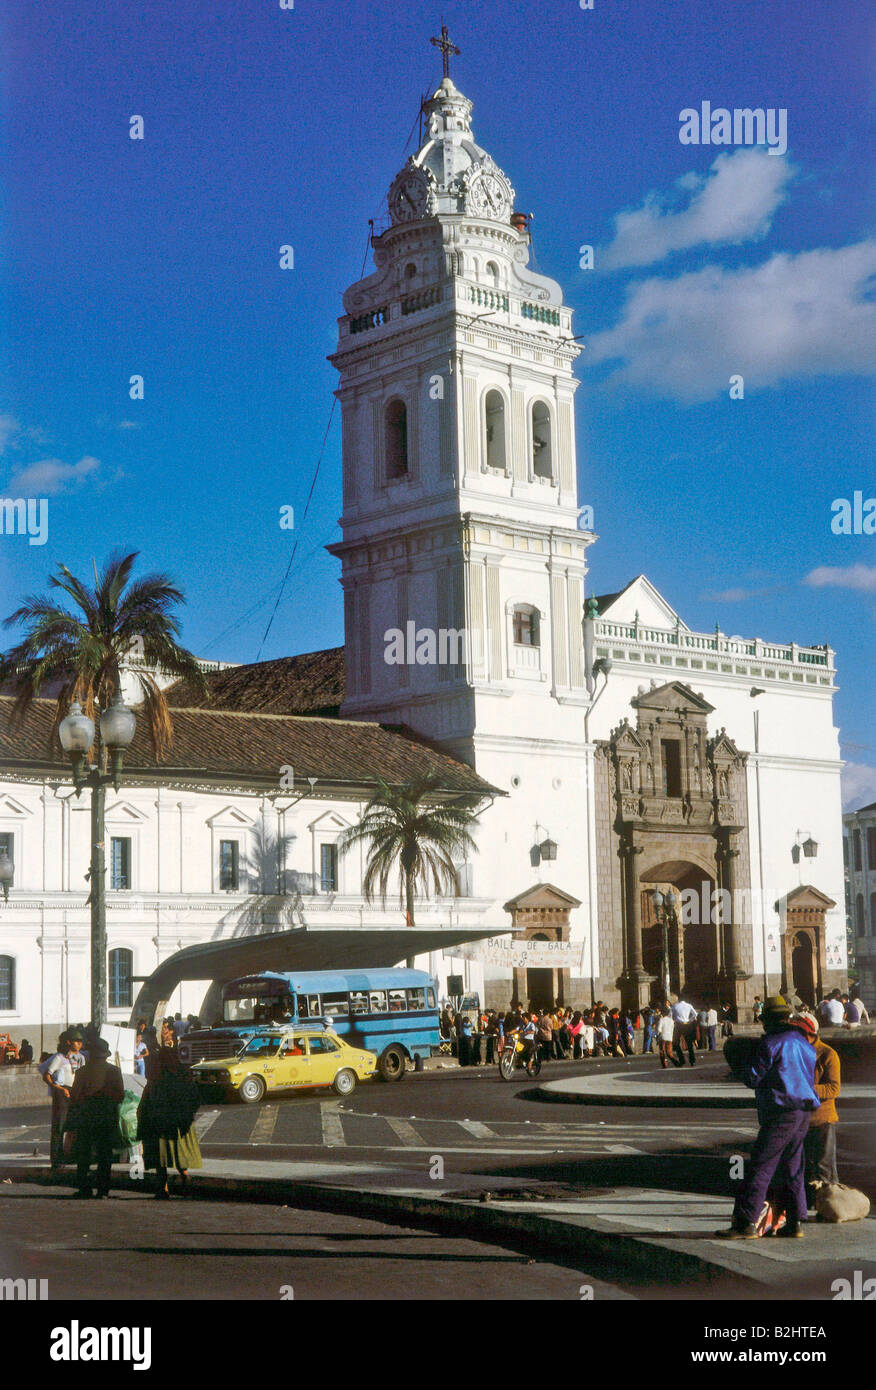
x,y
489,196
408,197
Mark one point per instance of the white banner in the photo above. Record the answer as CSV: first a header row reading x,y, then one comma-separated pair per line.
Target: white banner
x,y
499,950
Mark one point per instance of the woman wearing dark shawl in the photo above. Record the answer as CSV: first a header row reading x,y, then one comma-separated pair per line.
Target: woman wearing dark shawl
x,y
166,1118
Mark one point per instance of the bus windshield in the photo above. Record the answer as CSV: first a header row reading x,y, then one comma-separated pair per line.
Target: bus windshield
x,y
264,1002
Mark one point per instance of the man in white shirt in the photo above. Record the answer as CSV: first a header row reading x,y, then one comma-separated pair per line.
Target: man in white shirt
x,y
665,1034
58,1072
833,1013
684,1016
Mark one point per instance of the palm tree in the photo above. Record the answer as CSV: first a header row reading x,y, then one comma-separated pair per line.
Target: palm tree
x,y
408,828
81,653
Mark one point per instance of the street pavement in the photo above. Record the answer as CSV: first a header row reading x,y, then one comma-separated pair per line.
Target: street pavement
x,y
216,1250
634,1193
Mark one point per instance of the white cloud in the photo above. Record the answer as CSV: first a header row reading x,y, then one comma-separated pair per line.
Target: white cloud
x,y
51,476
804,315
860,577
734,202
9,428
858,785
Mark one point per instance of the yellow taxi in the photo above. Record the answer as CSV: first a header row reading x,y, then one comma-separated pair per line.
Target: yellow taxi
x,y
284,1060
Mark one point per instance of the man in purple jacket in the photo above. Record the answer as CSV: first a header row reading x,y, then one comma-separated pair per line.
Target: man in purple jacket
x,y
782,1074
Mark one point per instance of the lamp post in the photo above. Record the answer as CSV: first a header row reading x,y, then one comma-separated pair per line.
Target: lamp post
x,y
116,729
593,666
664,906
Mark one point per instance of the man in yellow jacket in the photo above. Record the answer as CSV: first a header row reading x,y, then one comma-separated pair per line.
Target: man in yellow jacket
x,y
819,1146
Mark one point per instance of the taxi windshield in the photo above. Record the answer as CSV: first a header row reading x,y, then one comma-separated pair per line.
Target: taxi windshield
x,y
264,1045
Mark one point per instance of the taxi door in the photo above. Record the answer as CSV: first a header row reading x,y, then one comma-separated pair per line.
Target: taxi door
x,y
294,1064
325,1058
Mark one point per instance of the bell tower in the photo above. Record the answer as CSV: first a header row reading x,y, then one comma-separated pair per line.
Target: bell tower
x,y
463,564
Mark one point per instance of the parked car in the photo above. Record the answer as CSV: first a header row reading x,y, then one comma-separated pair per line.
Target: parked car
x,y
286,1060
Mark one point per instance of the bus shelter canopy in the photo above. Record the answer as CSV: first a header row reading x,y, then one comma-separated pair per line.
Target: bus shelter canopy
x,y
301,948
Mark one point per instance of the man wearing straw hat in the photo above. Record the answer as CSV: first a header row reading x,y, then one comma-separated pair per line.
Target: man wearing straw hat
x,y
781,1073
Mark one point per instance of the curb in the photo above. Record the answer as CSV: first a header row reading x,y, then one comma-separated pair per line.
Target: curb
x,y
620,1254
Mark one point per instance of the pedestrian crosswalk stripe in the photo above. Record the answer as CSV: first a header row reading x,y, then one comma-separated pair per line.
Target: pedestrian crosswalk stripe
x,y
206,1121
623,1149
332,1129
263,1129
405,1132
477,1129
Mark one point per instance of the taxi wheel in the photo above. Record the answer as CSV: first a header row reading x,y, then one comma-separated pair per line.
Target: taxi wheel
x,y
252,1090
344,1083
391,1064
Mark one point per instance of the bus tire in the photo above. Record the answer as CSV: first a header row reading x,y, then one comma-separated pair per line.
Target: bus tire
x,y
344,1083
252,1090
391,1064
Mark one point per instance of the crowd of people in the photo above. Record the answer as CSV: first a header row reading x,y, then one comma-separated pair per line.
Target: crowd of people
x,y
87,1091
561,1033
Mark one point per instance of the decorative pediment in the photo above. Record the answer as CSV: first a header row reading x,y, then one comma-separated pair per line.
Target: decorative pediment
x,y
672,698
10,807
124,811
231,816
542,895
626,740
329,821
805,898
722,748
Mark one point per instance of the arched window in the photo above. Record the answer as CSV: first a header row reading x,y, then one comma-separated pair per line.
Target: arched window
x,y
542,445
493,274
410,270
859,915
396,440
494,413
7,983
121,972
525,626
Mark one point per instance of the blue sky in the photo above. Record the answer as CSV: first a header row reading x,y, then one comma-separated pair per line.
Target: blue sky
x,y
266,127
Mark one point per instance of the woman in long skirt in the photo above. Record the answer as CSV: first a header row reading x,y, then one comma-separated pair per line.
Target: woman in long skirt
x,y
166,1119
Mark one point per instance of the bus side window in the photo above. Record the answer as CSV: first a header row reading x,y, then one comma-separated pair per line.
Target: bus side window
x,y
358,1002
432,1000
378,1001
335,1005
416,999
397,1001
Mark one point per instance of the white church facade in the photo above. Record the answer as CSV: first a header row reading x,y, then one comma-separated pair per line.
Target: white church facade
x,y
691,764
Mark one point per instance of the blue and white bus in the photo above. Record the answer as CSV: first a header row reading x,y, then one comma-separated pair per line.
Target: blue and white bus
x,y
393,1013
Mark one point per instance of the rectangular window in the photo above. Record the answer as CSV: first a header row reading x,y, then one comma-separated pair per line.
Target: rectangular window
x,y
377,1002
120,862
857,843
398,1003
358,1002
416,999
335,1005
121,965
7,845
7,982
671,767
871,848
229,866
328,868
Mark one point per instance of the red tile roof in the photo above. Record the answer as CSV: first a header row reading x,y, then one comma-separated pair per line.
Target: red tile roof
x,y
312,683
228,746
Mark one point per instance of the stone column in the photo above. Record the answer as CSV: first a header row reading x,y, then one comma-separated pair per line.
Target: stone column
x,y
635,978
731,978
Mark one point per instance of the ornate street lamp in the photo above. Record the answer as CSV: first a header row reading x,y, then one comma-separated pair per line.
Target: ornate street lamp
x,y
548,849
810,848
664,907
116,729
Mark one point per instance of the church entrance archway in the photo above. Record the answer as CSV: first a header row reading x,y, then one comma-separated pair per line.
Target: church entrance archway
x,y
803,968
540,987
686,929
